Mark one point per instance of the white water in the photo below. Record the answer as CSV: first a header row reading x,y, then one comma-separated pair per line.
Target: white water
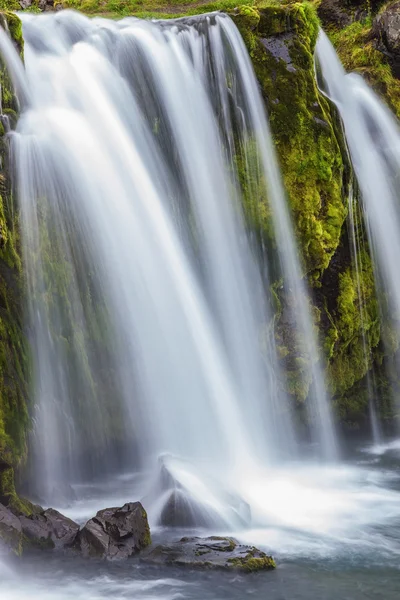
x,y
112,191
149,319
356,247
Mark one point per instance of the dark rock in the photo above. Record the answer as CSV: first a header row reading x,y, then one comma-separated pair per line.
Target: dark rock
x,y
49,529
386,32
386,26
10,531
279,46
182,509
116,532
210,553
335,12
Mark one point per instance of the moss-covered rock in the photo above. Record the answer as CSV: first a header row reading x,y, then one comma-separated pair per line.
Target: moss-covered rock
x,y
281,47
13,351
211,553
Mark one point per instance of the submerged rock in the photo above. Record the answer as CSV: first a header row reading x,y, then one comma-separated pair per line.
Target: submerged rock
x,y
116,532
182,496
10,531
49,529
211,553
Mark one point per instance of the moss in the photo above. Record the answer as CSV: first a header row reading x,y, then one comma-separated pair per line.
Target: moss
x,y
253,561
147,536
13,352
356,49
303,128
15,28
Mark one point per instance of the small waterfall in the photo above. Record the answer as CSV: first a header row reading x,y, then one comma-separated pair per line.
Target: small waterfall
x,y
149,317
356,247
373,138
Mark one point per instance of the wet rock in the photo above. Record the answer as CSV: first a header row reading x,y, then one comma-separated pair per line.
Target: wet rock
x,y
176,505
10,531
116,533
210,553
279,46
49,529
386,26
386,32
180,511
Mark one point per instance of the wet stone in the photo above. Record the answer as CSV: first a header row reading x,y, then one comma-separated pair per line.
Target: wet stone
x,y
210,553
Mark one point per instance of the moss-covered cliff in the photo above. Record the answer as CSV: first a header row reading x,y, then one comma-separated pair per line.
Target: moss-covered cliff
x,y
13,351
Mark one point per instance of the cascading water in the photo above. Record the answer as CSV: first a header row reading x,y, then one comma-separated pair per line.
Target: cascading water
x,y
145,307
373,137
358,253
145,301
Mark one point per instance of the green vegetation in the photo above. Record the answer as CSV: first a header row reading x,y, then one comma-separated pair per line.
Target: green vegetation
x,y
253,561
357,52
13,353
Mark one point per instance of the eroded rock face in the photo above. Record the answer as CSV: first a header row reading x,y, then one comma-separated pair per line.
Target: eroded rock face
x,y
10,531
116,533
211,553
49,529
386,31
386,28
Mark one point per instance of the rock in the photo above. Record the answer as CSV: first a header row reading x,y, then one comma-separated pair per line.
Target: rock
x,y
334,12
279,47
386,26
49,529
386,31
10,531
210,553
173,504
116,532
180,511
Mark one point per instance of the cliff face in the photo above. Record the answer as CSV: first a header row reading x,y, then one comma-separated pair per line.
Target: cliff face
x,y
13,350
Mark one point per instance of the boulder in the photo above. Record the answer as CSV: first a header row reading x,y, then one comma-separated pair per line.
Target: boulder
x,y
116,533
182,496
386,31
10,531
49,529
210,553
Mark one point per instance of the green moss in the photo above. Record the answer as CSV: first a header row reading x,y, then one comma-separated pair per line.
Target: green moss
x,y
356,49
147,537
253,561
303,128
15,28
13,354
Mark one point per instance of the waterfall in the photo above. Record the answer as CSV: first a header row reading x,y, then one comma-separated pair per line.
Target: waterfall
x,y
373,137
149,316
